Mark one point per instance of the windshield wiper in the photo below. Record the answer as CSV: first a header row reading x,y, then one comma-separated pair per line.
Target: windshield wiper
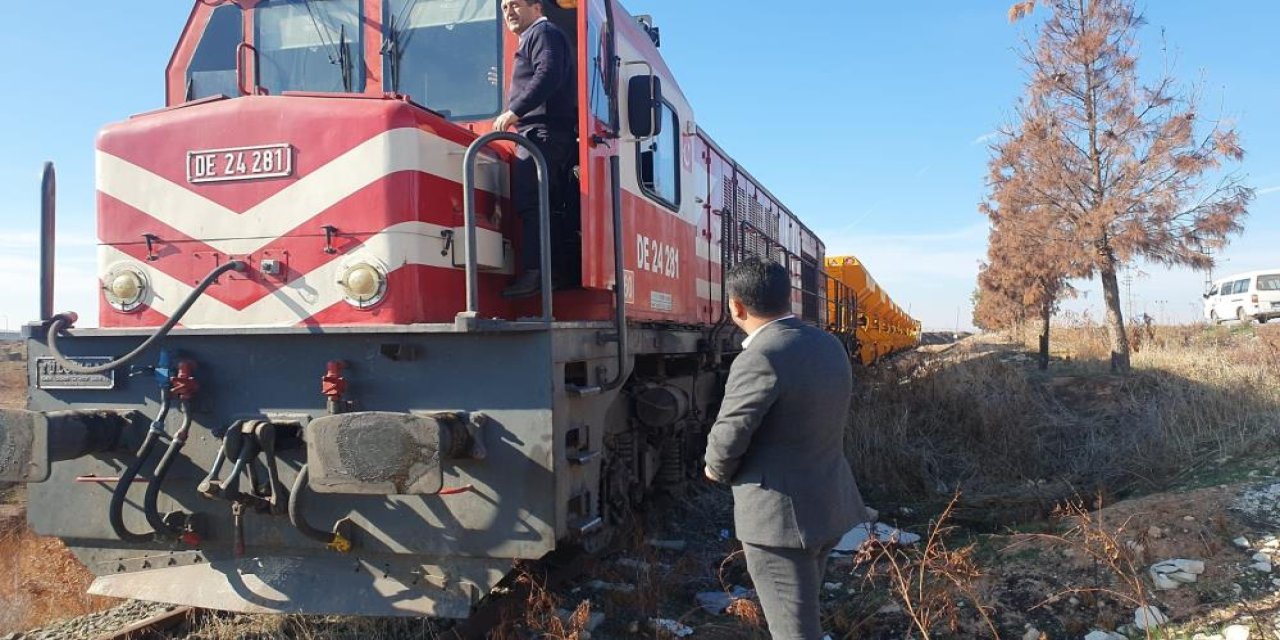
x,y
393,47
339,53
344,58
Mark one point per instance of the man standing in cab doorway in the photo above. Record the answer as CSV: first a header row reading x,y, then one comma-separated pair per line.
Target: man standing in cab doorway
x,y
542,105
779,441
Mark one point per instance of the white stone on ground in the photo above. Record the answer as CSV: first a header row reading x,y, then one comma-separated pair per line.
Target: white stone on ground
x,y
1189,566
1236,632
1149,617
1105,635
883,532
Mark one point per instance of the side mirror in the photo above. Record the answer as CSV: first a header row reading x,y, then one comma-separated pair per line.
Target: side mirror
x,y
644,96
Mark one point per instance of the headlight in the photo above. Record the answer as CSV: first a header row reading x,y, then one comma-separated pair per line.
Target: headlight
x,y
125,286
363,284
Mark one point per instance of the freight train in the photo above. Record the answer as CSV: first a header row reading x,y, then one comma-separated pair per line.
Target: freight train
x,y
882,328
306,393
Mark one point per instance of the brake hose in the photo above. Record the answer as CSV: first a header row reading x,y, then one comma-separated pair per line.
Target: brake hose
x,y
333,540
162,469
63,321
115,512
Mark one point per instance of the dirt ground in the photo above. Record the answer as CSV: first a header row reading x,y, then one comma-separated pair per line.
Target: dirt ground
x,y
1042,579
1092,572
40,581
13,387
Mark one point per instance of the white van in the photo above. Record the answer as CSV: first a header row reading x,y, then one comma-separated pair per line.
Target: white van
x,y
1245,297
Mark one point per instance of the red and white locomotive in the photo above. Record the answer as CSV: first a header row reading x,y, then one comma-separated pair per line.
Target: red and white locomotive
x,y
361,423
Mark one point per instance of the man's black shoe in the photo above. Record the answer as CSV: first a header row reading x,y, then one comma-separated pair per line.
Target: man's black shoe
x,y
529,283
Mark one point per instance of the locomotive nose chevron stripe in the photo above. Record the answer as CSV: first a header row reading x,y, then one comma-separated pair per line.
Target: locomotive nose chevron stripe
x,y
408,243
223,229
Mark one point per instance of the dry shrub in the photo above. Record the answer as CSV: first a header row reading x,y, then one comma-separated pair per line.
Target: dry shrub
x,y
748,611
743,610
980,417
979,422
41,582
1197,394
937,587
1117,569
540,616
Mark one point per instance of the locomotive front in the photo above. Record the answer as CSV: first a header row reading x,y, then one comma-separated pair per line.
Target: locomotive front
x,y
319,435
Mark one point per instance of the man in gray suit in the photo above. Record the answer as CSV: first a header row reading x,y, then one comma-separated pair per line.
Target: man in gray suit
x,y
779,441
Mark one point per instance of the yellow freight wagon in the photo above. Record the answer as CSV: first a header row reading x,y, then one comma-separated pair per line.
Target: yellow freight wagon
x,y
878,326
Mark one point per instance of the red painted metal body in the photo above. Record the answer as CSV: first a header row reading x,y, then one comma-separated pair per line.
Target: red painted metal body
x,y
372,177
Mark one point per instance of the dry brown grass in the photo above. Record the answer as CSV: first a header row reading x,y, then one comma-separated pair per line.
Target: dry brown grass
x,y
980,418
228,626
41,582
1198,394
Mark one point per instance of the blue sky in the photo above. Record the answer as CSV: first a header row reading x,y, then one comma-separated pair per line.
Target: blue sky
x,y
869,120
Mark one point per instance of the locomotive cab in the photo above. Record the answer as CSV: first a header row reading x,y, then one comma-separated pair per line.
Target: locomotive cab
x,y
320,140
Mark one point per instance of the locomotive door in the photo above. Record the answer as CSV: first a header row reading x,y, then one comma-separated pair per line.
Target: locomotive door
x,y
597,138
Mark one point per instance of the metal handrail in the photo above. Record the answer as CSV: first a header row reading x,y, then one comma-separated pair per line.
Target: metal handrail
x,y
619,277
469,213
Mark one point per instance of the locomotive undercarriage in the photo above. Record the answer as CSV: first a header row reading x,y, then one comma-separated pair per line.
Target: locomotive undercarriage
x,y
501,444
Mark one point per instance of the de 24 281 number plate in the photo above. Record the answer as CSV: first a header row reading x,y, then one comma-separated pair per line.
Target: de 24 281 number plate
x,y
240,163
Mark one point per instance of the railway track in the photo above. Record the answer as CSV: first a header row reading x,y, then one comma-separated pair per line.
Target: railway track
x,y
157,625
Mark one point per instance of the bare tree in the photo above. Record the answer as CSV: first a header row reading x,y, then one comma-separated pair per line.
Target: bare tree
x,y
1127,170
995,310
1026,268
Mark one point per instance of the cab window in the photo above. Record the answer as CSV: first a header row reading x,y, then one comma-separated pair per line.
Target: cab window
x,y
600,72
445,55
304,45
659,160
212,71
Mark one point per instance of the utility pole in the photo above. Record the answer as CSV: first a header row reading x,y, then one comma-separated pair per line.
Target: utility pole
x,y
1128,291
1208,273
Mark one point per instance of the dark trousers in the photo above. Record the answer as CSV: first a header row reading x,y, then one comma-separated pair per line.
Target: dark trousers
x,y
789,583
560,148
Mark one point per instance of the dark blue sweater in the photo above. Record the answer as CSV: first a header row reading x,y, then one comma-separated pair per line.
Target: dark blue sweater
x,y
543,84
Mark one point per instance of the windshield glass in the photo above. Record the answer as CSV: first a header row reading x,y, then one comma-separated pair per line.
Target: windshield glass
x,y
1270,282
213,66
310,45
445,54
